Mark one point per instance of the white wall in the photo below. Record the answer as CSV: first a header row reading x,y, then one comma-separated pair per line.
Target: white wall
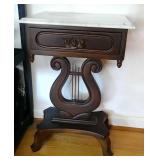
x,y
122,89
17,40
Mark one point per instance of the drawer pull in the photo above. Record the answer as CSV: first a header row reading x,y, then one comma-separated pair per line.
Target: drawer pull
x,y
74,43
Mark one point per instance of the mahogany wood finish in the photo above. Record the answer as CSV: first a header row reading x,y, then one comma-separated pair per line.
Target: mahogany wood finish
x,y
75,115
76,109
126,141
76,42
68,41
46,127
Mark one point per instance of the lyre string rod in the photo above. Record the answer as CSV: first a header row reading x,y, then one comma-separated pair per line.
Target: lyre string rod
x,y
78,82
75,85
72,81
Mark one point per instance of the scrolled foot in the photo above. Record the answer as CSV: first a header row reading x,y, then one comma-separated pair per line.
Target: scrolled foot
x,y
35,147
37,142
106,146
109,150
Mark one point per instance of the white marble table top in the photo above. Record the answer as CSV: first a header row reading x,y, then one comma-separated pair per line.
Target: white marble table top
x,y
79,19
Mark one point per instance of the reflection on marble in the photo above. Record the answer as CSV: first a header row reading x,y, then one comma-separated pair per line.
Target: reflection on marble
x,y
79,19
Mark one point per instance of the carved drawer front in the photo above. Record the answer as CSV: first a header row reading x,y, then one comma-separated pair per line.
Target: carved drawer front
x,y
101,43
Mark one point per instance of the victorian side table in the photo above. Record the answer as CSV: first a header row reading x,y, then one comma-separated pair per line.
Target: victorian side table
x,y
90,36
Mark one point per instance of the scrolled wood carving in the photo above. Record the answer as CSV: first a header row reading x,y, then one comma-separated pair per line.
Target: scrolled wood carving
x,y
69,107
75,43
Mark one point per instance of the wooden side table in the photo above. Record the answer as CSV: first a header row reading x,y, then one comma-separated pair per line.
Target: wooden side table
x,y
89,36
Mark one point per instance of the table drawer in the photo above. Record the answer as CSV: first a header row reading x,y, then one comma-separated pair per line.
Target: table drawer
x,y
76,42
47,39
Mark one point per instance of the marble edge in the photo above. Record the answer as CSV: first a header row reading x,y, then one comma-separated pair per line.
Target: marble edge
x,y
42,21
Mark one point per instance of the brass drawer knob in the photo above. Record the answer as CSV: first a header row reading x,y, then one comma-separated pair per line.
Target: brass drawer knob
x,y
81,43
74,43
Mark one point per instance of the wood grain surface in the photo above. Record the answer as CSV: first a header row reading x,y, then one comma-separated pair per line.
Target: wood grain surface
x,y
125,142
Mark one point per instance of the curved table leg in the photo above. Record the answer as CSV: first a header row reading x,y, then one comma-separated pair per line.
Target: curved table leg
x,y
109,150
39,138
106,146
37,141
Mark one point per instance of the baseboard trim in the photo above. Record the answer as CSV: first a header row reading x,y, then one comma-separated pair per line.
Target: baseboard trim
x,y
129,129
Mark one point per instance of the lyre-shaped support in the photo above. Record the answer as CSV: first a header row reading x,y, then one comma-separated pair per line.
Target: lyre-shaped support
x,y
75,114
70,107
